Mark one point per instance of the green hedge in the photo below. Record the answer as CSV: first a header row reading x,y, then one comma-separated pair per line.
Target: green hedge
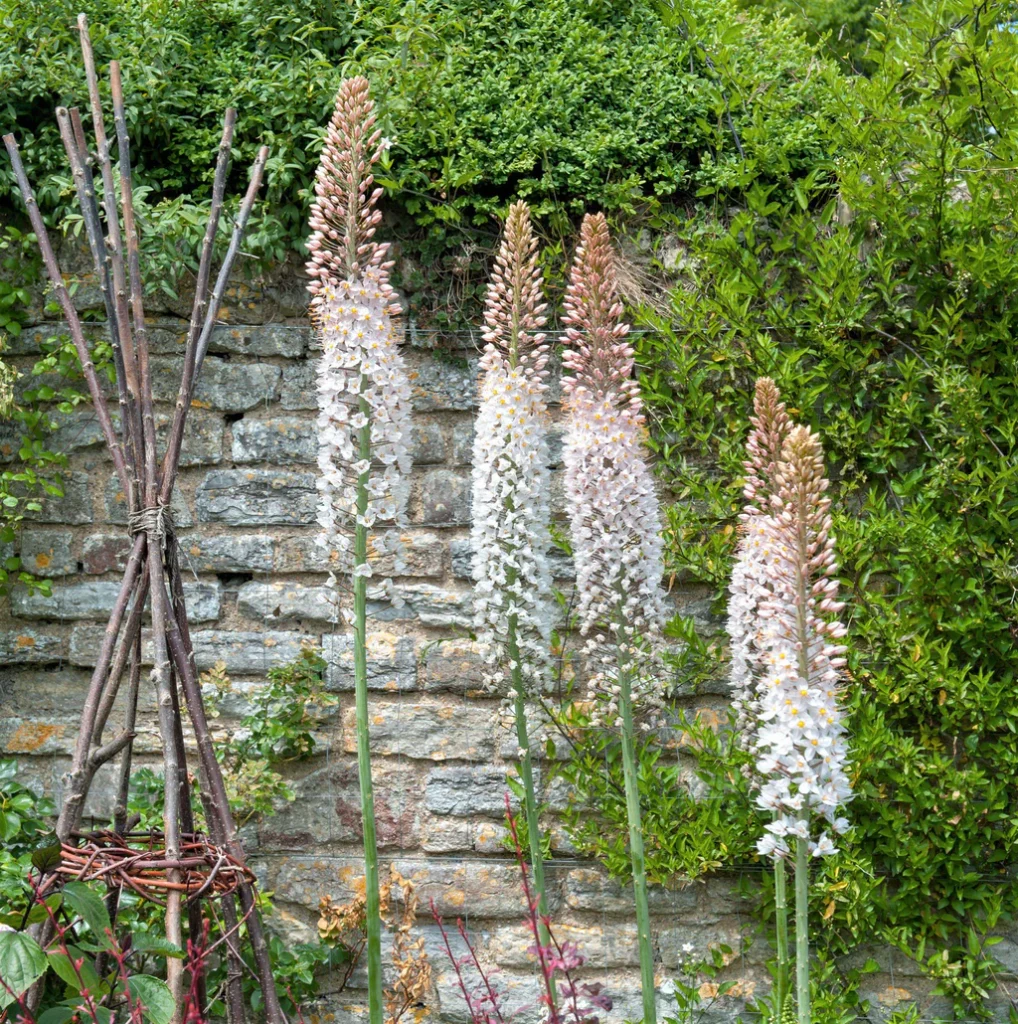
x,y
574,106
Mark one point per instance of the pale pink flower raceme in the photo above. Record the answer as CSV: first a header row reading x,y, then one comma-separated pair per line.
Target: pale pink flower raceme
x,y
613,509
363,391
785,635
509,534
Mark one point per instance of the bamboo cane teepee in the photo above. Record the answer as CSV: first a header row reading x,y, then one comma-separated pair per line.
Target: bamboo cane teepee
x,y
152,576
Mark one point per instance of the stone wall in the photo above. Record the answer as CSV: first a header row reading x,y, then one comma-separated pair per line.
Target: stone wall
x,y
245,507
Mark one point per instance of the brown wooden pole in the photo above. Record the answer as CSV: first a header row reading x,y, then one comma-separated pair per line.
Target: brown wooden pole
x,y
114,251
78,777
70,313
217,805
201,289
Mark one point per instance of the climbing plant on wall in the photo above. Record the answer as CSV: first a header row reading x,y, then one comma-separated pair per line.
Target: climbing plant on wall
x,y
881,297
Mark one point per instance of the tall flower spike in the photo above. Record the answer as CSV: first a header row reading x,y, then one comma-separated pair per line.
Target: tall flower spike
x,y
363,391
790,644
364,412
755,551
613,508
510,477
616,530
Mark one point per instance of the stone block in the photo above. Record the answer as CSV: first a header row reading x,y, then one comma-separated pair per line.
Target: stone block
x,y
252,497
445,498
428,732
85,641
225,385
615,945
73,508
297,391
94,599
115,505
286,340
423,555
430,604
476,888
463,443
30,646
442,384
454,665
456,835
392,662
277,441
48,553
592,889
228,552
466,791
247,652
427,444
279,601
105,552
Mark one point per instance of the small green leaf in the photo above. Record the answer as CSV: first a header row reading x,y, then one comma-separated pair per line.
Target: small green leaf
x,y
22,963
46,857
146,942
90,907
56,1015
154,996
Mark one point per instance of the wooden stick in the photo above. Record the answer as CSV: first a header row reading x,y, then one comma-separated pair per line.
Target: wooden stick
x,y
194,921
239,227
134,278
201,288
70,313
202,344
73,136
74,798
217,807
171,778
114,247
131,632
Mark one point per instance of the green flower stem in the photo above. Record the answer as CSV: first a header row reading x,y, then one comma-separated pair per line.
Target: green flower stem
x,y
781,932
376,1004
802,929
636,851
527,773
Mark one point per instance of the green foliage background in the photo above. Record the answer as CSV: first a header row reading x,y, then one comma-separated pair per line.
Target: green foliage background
x,y
569,105
881,296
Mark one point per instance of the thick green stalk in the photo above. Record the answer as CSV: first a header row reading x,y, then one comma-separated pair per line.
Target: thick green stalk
x,y
376,1004
781,932
802,929
636,851
527,773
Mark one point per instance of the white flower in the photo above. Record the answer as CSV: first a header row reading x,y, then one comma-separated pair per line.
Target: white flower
x,y
363,390
785,656
614,515
509,534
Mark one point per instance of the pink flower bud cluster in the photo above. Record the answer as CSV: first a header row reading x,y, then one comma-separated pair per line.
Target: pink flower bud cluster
x,y
509,533
362,382
614,514
787,655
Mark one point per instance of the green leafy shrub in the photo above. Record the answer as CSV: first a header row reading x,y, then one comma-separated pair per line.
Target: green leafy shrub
x,y
881,296
571,106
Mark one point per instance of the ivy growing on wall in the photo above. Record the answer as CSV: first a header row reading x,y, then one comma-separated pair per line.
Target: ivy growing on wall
x,y
882,297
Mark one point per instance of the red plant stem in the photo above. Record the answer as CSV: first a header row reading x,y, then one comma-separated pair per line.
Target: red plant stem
x,y
532,917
